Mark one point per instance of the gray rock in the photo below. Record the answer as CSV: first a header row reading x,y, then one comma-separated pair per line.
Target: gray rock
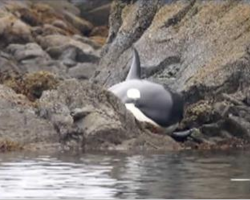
x,y
80,113
82,71
76,116
135,22
13,30
28,51
99,15
95,11
8,65
86,41
196,46
68,57
101,125
60,24
95,119
48,29
61,41
72,55
81,24
63,47
32,58
83,57
20,125
186,50
40,64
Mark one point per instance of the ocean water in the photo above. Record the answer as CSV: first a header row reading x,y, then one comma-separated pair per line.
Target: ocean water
x,y
191,174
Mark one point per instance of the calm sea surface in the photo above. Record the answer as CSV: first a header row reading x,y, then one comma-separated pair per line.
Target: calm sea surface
x,y
92,176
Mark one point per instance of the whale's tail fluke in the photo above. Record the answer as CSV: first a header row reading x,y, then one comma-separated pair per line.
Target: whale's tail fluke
x,y
135,69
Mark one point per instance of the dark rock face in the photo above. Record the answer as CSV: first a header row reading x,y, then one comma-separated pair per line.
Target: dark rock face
x,y
95,11
82,71
8,65
199,48
178,44
138,17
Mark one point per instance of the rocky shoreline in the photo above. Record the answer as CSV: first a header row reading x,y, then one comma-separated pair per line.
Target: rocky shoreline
x,y
54,72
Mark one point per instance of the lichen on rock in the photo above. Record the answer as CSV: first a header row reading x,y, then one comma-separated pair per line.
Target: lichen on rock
x,y
32,85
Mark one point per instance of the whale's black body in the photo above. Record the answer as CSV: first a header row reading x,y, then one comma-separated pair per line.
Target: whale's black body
x,y
159,105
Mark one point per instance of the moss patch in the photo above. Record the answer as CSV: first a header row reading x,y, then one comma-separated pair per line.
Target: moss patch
x,y
198,113
32,85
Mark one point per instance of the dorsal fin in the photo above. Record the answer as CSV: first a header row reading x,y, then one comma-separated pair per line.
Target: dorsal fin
x,y
135,68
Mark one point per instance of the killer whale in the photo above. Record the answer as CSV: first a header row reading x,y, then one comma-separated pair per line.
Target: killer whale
x,y
148,101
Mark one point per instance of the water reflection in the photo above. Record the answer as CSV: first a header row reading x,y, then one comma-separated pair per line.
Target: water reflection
x,y
173,175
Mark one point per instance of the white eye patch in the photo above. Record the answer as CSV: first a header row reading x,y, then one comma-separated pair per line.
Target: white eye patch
x,y
133,93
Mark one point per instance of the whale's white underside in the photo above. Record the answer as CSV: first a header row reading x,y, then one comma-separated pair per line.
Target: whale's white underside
x,y
138,114
134,93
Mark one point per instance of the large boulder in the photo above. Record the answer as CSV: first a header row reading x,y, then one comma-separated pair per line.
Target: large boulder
x,y
8,66
184,44
82,71
27,51
199,48
95,11
13,30
20,127
82,25
136,18
99,15
56,45
85,112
